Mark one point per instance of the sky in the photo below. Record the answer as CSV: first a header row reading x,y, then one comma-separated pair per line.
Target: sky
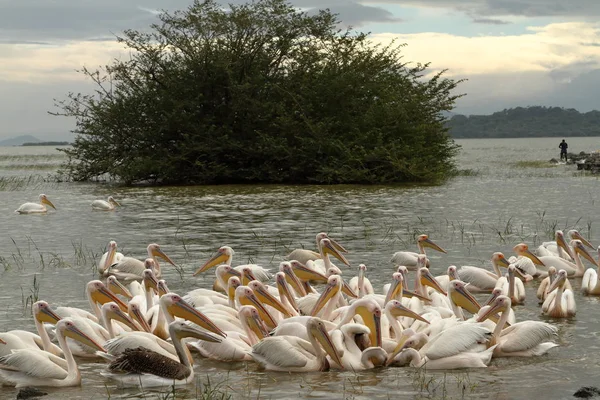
x,y
511,52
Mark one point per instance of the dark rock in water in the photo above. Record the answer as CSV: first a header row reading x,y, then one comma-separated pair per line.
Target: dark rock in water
x,y
586,392
553,161
30,393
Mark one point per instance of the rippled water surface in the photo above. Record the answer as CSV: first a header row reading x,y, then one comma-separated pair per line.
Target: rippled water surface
x,y
499,202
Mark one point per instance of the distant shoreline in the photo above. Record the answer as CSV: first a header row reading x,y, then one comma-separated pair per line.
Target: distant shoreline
x,y
46,144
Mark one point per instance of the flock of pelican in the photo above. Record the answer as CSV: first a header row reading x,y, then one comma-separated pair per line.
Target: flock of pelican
x,y
304,317
39,208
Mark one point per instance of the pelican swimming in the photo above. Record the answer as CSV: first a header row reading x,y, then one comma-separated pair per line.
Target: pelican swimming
x,y
27,367
146,368
292,354
354,356
361,284
105,262
560,301
327,247
590,285
554,249
482,280
521,339
409,258
35,208
110,205
304,255
129,268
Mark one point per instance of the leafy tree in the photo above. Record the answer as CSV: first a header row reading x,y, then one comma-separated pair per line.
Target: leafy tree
x,y
260,92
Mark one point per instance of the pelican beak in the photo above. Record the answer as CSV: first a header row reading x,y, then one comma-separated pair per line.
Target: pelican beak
x,y
493,296
395,291
265,315
559,281
117,287
521,275
320,333
193,332
139,318
159,253
150,281
103,295
116,203
109,258
120,316
431,244
263,295
429,280
399,347
348,290
582,251
560,241
2,341
527,253
48,202
502,262
373,322
257,326
490,312
578,236
398,310
330,248
247,276
75,333
184,310
328,293
162,288
410,293
284,291
292,279
338,246
219,258
464,299
48,316
306,274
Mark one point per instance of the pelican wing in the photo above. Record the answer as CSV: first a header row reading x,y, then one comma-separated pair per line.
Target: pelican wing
x,y
128,265
526,335
479,277
132,340
35,363
143,361
279,352
303,255
455,340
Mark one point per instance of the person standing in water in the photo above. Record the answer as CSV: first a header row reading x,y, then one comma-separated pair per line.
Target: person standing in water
x,y
563,149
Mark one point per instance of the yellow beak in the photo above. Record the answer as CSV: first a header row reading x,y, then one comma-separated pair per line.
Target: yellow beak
x,y
219,258
48,202
184,310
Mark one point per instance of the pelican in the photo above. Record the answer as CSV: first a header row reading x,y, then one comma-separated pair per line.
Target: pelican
x,y
409,258
361,284
553,249
29,367
513,287
292,354
348,340
145,368
303,255
105,262
590,285
559,303
522,339
573,270
542,291
326,247
481,280
109,205
35,208
129,268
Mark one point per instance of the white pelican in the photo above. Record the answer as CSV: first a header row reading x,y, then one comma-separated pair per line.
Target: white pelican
x,y
347,340
481,280
559,303
573,270
109,205
129,268
114,255
542,291
35,208
590,285
360,284
326,247
553,249
303,255
292,354
523,339
513,287
29,367
145,368
409,258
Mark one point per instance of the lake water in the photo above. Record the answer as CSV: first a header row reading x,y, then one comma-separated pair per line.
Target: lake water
x,y
498,204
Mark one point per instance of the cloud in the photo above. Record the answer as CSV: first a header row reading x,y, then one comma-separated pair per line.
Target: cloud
x,y
490,21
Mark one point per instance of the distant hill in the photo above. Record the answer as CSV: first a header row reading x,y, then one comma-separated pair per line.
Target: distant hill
x,y
533,121
19,140
46,144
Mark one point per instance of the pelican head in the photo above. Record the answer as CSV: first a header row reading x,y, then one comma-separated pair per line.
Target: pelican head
x,y
156,251
67,328
117,288
173,305
396,309
561,279
562,243
99,293
162,287
329,248
453,272
44,314
333,270
580,249
112,201
306,274
149,280
396,287
317,329
334,285
112,250
523,250
427,279
499,260
261,291
222,256
246,297
232,284
424,241
370,312
339,247
247,275
284,290
291,278
135,311
179,330
404,336
460,295
574,234
500,304
44,200
112,310
494,295
249,315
